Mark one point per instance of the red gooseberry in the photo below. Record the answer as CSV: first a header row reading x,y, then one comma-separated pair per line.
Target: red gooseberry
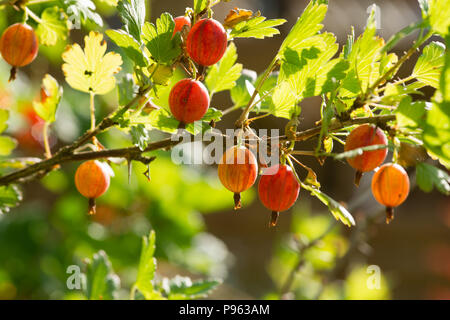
x,y
92,180
363,136
188,100
18,46
180,22
238,170
278,190
206,42
390,187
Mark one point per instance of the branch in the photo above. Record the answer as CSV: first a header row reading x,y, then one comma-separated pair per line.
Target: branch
x,y
132,153
337,125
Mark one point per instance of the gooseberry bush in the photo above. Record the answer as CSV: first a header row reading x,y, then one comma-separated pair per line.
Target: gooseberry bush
x,y
166,74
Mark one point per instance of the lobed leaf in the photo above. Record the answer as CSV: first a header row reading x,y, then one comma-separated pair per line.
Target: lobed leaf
x,y
132,13
181,288
429,65
338,210
257,27
91,70
51,93
53,26
223,75
130,46
158,39
10,196
101,281
429,177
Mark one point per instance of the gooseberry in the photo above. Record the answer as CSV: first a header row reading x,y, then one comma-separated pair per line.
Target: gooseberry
x,y
237,171
206,42
180,22
278,190
18,46
363,136
188,100
390,187
92,180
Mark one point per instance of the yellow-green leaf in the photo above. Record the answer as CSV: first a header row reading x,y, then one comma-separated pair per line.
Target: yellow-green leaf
x,y
51,94
91,70
53,26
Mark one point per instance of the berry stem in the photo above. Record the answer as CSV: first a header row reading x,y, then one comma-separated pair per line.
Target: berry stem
x,y
31,14
237,200
358,176
12,75
91,208
389,214
48,153
274,218
92,109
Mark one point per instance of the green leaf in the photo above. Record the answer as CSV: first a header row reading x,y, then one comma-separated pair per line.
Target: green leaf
x,y
436,135
139,136
158,119
239,93
364,60
424,8
181,288
147,266
308,25
82,10
126,89
338,210
440,16
305,71
223,75
410,114
212,114
10,196
51,94
257,27
4,116
200,5
133,14
53,26
7,145
429,65
284,100
203,125
159,41
129,45
101,281
429,177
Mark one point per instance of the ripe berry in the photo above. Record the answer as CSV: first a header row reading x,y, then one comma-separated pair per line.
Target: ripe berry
x,y
92,180
206,42
18,46
390,187
238,170
189,100
363,136
278,190
180,22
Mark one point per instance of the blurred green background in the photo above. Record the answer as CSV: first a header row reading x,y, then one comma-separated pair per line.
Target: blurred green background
x,y
197,232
